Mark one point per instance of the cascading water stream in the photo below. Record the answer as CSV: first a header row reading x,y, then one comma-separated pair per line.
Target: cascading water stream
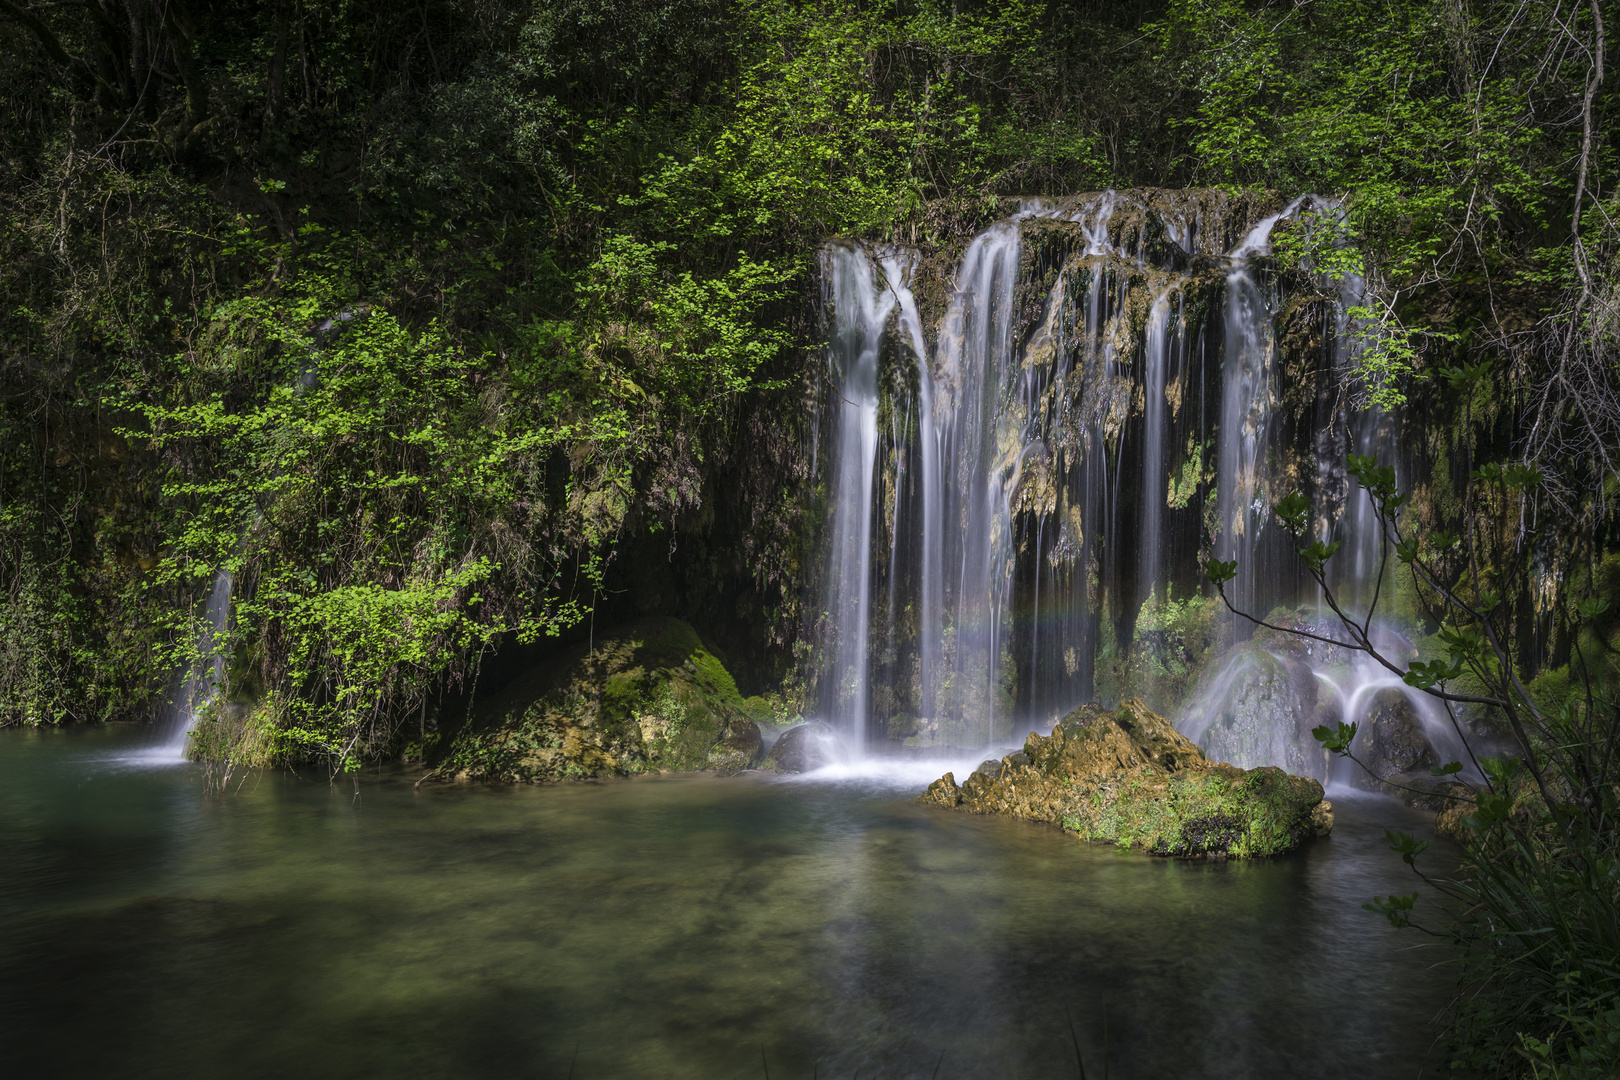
x,y
1102,399
860,314
974,380
1246,406
1155,360
202,678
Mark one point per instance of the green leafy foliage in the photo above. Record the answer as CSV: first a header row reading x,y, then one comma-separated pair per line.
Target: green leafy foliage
x,y
1394,908
1338,739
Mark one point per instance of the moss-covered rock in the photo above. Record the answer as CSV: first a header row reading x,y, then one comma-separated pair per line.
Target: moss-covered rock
x,y
1127,777
647,697
240,734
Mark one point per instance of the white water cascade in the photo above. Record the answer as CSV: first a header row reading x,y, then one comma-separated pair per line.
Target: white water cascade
x,y
1259,707
203,678
1015,461
860,312
1247,401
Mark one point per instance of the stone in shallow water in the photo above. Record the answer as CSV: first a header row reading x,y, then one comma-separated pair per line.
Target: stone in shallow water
x,y
806,747
1127,777
1392,740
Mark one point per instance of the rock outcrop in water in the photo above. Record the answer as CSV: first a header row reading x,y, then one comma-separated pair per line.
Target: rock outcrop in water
x,y
647,697
1127,777
805,748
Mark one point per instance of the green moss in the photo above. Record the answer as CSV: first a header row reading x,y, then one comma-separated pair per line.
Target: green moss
x,y
648,697
714,676
1170,648
1265,812
240,735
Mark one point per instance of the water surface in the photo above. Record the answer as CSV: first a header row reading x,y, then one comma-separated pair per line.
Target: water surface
x,y
666,927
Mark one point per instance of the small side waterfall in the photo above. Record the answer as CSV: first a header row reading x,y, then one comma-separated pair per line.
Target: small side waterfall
x,y
204,677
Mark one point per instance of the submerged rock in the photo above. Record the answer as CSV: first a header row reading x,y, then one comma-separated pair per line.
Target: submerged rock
x,y
646,697
806,747
1127,777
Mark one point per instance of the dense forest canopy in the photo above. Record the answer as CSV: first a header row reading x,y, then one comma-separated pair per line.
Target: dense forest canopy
x,y
417,318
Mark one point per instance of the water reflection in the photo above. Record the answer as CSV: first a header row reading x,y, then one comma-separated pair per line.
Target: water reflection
x,y
674,927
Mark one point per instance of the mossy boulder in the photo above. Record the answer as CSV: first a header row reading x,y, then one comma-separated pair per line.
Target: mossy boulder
x,y
1128,778
241,734
646,697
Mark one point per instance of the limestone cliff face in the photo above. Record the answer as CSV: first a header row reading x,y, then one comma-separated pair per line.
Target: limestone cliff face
x,y
1127,777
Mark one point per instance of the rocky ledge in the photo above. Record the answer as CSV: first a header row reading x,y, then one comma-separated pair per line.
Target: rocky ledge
x,y
1128,778
644,698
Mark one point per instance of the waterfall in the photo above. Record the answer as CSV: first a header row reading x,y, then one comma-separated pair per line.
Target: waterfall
x,y
1155,359
203,677
982,443
860,312
1021,455
1246,404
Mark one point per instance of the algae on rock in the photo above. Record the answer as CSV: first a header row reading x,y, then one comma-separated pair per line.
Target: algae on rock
x,y
646,697
1128,777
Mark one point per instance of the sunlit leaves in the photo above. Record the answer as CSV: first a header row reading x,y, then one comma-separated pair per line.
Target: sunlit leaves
x,y
1338,739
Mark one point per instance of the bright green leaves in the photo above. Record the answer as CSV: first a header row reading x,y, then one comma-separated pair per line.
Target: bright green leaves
x,y
1316,554
1320,242
1378,480
1394,908
1292,510
1239,78
1424,674
1386,355
1338,739
1220,572
378,486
